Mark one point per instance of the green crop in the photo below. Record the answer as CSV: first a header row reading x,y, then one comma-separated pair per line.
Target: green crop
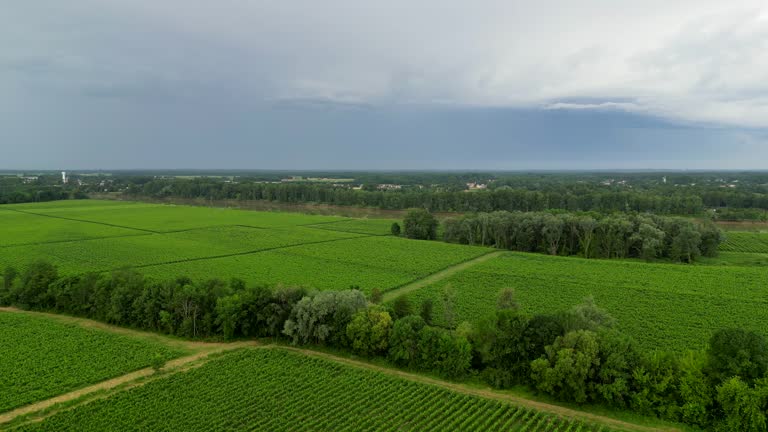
x,y
44,357
274,390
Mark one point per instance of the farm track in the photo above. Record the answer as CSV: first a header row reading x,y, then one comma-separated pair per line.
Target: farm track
x,y
438,276
201,352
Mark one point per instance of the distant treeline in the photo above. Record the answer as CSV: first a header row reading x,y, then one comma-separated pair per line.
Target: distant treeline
x,y
575,355
15,190
575,197
644,236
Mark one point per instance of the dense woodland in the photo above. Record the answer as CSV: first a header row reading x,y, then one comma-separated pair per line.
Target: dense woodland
x,y
619,235
576,355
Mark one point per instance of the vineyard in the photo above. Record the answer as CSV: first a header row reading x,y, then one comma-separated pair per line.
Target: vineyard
x,y
42,357
752,242
664,306
259,247
275,390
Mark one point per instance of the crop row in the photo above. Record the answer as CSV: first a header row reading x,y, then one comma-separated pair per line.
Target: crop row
x,y
664,306
752,242
271,389
43,357
23,228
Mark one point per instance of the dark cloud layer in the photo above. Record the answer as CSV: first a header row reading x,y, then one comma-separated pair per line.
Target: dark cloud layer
x,y
443,85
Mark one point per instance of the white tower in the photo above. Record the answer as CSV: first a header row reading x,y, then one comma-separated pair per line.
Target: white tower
x,y
64,178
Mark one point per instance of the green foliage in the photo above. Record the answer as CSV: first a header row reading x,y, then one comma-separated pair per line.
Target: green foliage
x,y
571,363
420,224
43,357
404,341
402,306
369,331
158,362
395,229
425,310
737,352
322,317
744,407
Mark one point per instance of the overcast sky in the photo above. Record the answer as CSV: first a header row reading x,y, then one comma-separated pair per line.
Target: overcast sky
x,y
439,84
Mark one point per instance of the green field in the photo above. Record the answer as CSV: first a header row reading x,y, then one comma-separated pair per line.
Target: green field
x,y
43,357
752,242
664,306
275,390
165,241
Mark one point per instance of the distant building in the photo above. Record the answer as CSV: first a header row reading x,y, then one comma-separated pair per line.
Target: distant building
x,y
388,186
64,178
476,186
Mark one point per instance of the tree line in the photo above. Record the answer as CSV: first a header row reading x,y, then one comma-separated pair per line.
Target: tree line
x,y
576,355
620,235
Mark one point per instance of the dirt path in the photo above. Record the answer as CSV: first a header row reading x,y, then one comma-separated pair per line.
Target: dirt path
x,y
173,366
434,277
484,393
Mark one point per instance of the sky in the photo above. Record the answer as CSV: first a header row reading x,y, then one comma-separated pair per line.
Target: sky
x,y
432,84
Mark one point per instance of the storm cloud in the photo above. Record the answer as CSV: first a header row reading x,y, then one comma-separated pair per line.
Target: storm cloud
x,y
343,84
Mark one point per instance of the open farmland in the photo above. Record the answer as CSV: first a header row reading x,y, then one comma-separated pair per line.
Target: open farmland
x,y
260,247
664,306
43,357
751,242
275,390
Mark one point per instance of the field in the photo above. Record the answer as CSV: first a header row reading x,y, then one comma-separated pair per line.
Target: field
x,y
275,390
43,357
664,306
165,241
751,242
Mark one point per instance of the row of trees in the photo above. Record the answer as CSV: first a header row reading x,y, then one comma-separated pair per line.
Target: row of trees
x,y
687,195
591,235
576,355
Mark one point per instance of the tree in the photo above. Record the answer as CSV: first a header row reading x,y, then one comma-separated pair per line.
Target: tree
x,y
507,300
650,241
420,224
323,317
376,296
34,284
425,310
586,233
448,299
619,356
586,316
736,352
685,245
229,314
158,362
744,407
369,330
404,340
552,232
9,277
570,365
395,229
711,237
402,306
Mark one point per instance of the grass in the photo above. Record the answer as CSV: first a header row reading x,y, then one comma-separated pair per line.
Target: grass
x,y
43,357
664,306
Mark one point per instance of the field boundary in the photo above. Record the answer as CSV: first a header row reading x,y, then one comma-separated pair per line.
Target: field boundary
x,y
438,276
83,221
252,252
